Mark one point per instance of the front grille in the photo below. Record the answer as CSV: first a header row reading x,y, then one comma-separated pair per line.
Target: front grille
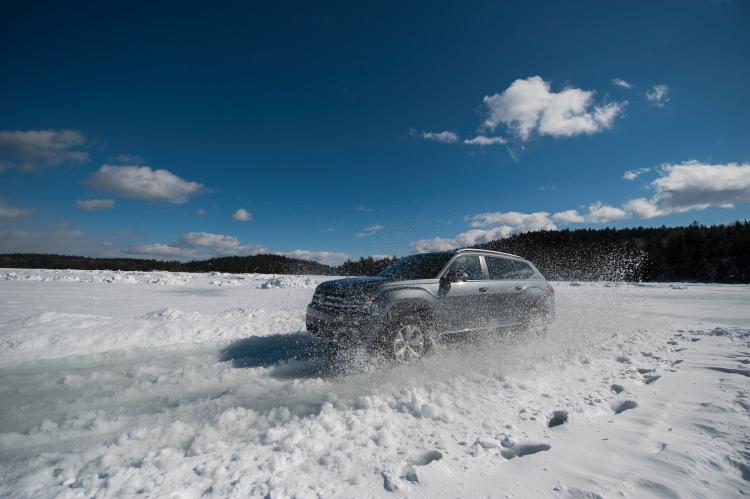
x,y
337,304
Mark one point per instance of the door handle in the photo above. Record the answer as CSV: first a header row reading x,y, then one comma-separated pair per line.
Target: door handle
x,y
521,288
482,290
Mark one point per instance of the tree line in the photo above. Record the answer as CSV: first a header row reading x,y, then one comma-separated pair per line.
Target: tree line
x,y
695,253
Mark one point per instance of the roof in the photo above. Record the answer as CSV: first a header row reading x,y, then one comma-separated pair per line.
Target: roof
x,y
490,251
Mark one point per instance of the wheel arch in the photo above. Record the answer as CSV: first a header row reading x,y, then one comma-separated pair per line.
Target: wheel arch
x,y
411,307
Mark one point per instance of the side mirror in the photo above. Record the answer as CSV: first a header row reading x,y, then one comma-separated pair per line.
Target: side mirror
x,y
455,275
449,277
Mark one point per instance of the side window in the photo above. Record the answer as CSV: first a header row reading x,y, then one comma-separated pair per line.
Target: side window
x,y
469,264
500,268
523,270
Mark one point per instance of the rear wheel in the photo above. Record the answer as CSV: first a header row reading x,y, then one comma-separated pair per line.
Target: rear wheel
x,y
331,347
537,322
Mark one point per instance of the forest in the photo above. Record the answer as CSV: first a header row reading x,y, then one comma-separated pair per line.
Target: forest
x,y
695,253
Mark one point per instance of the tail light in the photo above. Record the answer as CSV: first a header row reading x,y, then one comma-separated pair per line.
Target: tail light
x,y
550,289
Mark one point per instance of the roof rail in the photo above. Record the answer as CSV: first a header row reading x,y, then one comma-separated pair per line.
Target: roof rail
x,y
489,251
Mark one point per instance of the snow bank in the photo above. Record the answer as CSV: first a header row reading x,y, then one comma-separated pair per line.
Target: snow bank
x,y
51,335
288,281
264,281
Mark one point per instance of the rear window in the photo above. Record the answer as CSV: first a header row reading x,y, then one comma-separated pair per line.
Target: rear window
x,y
500,268
523,270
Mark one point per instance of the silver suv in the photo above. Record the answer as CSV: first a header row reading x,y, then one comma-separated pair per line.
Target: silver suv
x,y
412,304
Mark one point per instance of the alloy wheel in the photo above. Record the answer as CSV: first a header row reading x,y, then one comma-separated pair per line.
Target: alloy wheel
x,y
409,343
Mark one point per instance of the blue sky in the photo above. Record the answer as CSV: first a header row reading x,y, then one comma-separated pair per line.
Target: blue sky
x,y
341,130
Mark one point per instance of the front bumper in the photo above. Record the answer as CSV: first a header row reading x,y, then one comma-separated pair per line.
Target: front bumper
x,y
342,328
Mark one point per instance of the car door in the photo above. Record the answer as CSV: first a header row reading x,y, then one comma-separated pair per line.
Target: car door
x,y
502,290
462,304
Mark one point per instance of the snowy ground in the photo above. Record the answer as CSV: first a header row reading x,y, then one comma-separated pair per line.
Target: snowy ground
x,y
150,384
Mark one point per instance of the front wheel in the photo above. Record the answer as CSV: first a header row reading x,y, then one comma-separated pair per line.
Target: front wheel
x,y
409,340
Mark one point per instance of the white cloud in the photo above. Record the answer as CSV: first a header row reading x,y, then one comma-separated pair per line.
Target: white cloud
x,y
693,185
218,242
369,231
13,212
619,82
603,213
159,250
200,212
363,209
524,222
37,149
446,136
528,106
464,239
95,204
141,182
597,213
634,174
242,215
644,208
569,216
324,257
498,225
481,140
199,245
658,95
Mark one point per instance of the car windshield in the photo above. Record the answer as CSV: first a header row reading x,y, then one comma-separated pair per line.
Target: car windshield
x,y
424,266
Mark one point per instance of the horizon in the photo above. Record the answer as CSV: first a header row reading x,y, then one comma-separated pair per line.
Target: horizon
x,y
383,257
185,133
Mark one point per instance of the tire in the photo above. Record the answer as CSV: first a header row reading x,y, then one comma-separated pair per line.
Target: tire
x,y
408,340
536,323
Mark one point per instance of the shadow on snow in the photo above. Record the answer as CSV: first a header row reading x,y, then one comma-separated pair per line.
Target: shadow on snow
x,y
291,355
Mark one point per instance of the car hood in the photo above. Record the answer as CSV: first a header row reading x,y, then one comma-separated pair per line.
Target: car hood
x,y
352,286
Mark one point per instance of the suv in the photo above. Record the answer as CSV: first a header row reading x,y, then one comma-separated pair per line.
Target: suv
x,y
407,307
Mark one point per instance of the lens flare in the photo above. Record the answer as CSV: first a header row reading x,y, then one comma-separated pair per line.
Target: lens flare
x,y
511,153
